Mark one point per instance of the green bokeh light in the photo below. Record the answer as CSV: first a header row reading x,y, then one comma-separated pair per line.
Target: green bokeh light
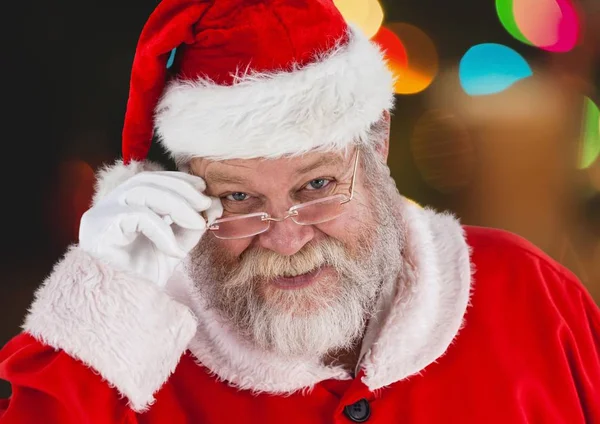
x,y
504,8
590,138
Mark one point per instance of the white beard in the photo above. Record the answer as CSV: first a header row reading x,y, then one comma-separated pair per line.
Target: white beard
x,y
327,316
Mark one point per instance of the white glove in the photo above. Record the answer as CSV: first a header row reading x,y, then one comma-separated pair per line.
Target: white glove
x,y
148,224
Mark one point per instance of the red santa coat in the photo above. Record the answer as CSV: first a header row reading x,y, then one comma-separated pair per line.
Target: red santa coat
x,y
490,331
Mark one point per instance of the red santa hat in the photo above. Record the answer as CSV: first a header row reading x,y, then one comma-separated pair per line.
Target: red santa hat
x,y
252,78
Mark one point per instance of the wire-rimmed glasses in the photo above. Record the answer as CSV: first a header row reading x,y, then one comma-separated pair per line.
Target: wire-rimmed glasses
x,y
309,213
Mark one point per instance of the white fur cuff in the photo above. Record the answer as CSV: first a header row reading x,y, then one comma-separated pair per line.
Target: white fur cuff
x,y
111,176
122,326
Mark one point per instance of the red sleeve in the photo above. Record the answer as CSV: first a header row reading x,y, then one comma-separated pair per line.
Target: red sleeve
x,y
48,386
540,298
582,346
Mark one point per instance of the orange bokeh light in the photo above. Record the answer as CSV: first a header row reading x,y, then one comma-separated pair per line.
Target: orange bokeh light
x,y
394,51
421,56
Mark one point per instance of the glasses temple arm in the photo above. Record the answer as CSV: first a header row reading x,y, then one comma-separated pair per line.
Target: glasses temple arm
x,y
354,176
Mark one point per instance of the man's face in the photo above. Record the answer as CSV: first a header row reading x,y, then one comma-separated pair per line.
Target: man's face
x,y
273,186
294,288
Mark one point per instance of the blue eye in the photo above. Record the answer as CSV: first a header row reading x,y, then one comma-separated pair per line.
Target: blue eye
x,y
237,197
317,184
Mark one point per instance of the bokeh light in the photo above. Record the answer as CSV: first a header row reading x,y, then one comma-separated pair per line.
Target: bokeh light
x,y
590,134
504,9
394,50
374,19
366,14
443,151
422,59
551,25
171,59
413,202
491,68
70,198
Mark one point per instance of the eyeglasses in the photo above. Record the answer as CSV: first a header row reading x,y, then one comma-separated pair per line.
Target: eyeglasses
x,y
309,213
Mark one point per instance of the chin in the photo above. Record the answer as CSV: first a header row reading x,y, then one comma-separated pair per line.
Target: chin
x,y
303,294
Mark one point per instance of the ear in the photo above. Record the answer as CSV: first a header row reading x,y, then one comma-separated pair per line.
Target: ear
x,y
384,147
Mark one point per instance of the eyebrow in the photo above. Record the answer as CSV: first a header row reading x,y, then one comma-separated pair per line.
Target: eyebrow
x,y
324,161
218,177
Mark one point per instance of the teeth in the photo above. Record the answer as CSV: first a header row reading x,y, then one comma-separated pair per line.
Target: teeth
x,y
294,273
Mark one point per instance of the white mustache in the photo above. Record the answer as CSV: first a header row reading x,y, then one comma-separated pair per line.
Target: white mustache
x,y
266,264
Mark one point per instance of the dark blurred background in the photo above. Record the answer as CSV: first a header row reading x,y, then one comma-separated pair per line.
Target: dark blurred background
x,y
509,160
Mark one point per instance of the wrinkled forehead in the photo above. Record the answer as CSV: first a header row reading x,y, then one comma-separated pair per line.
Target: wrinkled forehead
x,y
213,170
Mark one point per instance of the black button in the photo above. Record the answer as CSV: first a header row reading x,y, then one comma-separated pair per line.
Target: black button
x,y
358,412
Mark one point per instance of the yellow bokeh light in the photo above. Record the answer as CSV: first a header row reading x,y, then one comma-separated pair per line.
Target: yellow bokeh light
x,y
423,62
413,202
374,19
366,14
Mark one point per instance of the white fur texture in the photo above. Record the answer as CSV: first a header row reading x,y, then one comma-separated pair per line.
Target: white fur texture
x,y
123,327
111,176
218,348
323,106
409,334
422,323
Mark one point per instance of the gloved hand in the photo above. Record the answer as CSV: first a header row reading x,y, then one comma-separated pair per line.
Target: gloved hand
x,y
148,224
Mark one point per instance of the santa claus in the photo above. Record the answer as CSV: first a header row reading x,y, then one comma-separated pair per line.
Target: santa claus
x,y
279,276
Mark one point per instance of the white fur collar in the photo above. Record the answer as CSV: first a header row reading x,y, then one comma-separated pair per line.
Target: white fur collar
x,y
413,329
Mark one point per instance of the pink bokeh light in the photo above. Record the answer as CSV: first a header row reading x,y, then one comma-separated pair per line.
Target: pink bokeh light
x,y
551,25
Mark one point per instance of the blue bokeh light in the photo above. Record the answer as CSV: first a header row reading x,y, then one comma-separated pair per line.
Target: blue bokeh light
x,y
491,68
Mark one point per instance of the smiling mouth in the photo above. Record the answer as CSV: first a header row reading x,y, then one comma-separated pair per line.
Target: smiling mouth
x,y
293,282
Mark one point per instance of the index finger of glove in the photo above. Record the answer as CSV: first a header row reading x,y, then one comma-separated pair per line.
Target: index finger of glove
x,y
197,182
215,210
187,186
165,202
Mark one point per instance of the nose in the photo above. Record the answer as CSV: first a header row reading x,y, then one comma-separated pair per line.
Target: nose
x,y
286,237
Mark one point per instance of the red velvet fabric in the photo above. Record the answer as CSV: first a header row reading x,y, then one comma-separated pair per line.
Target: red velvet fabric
x,y
529,352
260,37
171,24
215,39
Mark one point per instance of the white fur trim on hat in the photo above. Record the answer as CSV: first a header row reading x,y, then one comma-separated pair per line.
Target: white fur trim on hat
x,y
323,106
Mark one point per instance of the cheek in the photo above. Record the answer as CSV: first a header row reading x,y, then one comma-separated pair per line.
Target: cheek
x,y
350,226
234,247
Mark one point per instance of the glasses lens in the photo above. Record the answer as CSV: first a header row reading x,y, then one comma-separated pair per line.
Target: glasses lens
x,y
319,211
244,226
